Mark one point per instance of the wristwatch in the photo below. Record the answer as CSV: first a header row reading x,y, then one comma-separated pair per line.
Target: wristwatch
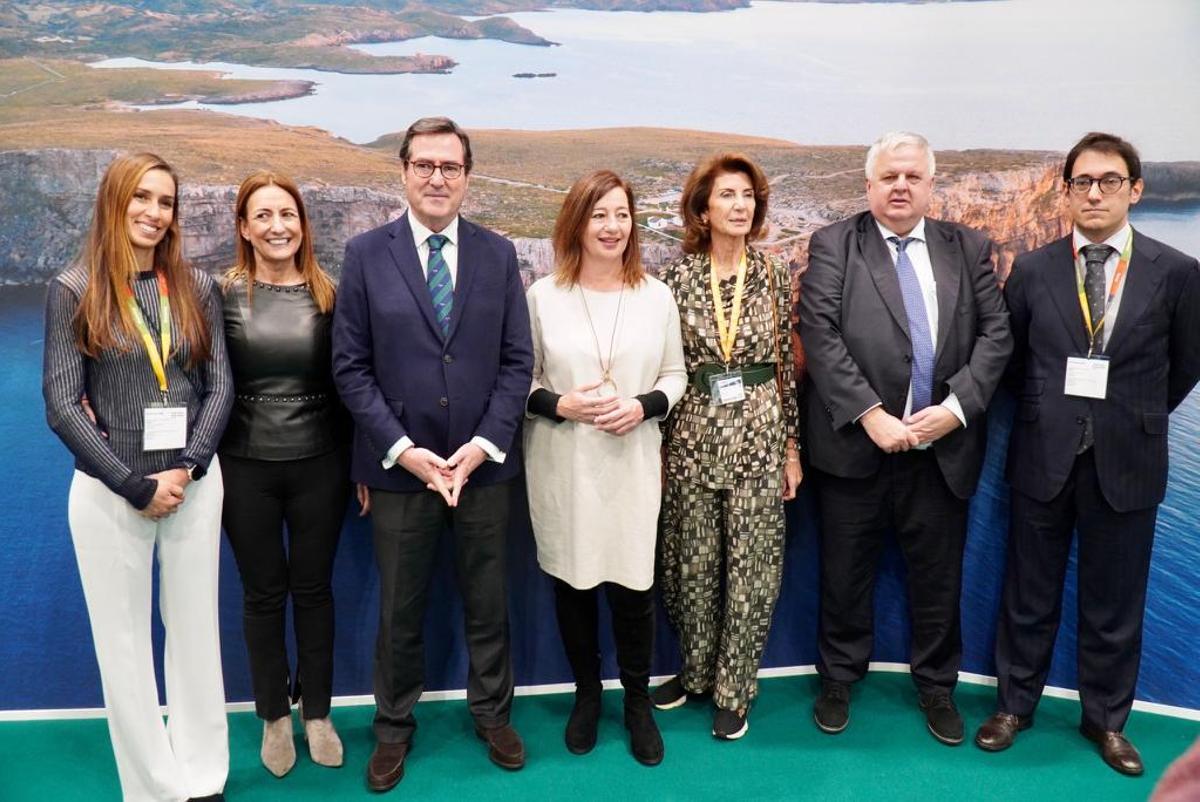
x,y
190,467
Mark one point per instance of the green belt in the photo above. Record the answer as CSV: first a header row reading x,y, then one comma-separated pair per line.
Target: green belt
x,y
758,373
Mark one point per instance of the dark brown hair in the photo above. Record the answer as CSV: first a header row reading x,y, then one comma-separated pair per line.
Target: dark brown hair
x,y
697,237
102,321
319,283
436,125
1105,143
572,222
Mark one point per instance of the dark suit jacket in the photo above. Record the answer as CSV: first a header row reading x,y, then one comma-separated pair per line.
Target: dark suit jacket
x,y
855,335
1154,353
399,376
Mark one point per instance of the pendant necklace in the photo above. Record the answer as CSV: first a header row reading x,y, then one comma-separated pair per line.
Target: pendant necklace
x,y
607,385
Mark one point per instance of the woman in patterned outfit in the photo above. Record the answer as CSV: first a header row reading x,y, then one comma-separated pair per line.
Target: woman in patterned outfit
x,y
731,442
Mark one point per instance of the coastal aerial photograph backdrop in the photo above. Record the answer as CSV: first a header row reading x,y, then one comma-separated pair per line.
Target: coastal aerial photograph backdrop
x,y
322,90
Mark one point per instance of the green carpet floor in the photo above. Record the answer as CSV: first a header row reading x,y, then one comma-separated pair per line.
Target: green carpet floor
x,y
885,754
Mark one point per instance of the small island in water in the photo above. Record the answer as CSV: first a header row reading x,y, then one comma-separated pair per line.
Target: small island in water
x,y
535,75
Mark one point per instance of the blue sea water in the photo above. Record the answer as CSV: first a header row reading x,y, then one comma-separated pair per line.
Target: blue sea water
x,y
47,653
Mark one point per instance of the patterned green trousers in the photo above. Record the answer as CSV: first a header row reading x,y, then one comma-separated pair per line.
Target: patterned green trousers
x,y
707,534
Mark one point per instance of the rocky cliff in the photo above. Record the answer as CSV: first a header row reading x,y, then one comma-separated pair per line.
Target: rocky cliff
x,y
46,198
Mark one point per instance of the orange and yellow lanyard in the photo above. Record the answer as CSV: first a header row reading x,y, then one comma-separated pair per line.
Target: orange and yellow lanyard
x,y
727,332
1118,278
157,361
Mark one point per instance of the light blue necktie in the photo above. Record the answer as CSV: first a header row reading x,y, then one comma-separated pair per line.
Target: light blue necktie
x,y
918,326
441,288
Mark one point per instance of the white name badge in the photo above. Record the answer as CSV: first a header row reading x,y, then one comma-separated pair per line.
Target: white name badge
x,y
727,388
1087,377
164,428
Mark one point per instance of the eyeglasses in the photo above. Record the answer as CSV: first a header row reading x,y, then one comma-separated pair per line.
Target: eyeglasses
x,y
449,170
1109,184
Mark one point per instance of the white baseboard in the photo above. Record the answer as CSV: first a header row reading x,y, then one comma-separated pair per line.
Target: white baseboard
x,y
566,687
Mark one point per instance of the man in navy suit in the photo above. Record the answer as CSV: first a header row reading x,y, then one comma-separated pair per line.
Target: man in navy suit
x,y
1106,324
433,358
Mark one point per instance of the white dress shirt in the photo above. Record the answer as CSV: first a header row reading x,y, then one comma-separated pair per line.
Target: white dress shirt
x,y
1117,241
918,254
421,234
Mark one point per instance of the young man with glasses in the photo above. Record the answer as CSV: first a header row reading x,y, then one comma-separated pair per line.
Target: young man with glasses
x,y
1106,324
433,358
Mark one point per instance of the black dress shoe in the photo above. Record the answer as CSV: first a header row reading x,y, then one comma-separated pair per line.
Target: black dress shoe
x,y
386,766
942,718
209,798
1000,730
505,748
580,735
831,710
1116,750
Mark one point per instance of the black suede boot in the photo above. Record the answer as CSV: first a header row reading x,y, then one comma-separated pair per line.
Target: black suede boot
x,y
584,721
577,623
633,632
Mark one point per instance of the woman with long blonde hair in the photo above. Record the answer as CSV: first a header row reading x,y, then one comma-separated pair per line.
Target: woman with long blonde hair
x,y
287,461
137,386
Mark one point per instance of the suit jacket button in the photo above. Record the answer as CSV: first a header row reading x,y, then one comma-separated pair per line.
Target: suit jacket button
x,y
447,359
907,358
1080,420
444,401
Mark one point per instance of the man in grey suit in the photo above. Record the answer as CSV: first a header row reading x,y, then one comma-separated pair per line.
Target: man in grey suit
x,y
907,337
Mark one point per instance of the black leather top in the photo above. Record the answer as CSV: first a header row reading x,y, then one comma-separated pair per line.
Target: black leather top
x,y
285,405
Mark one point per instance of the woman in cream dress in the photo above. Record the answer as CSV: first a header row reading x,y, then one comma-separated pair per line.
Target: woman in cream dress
x,y
608,363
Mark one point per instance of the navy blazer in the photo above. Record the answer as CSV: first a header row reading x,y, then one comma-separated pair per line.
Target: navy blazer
x,y
398,375
855,333
1154,362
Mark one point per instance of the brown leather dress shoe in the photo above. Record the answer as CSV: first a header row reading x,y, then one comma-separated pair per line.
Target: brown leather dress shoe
x,y
504,746
1116,750
386,766
1000,730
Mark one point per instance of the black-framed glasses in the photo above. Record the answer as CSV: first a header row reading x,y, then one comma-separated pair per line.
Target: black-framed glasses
x,y
449,170
1082,184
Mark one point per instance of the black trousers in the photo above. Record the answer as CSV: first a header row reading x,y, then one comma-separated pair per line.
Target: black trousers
x,y
309,496
1114,565
909,496
407,529
633,632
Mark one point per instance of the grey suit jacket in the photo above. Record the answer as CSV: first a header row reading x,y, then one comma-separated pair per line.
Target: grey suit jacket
x,y
855,334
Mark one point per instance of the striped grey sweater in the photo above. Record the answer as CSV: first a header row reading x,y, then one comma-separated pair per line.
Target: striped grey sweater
x,y
120,384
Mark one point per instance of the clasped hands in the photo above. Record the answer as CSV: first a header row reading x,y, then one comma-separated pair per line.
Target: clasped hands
x,y
609,413
168,495
892,434
444,476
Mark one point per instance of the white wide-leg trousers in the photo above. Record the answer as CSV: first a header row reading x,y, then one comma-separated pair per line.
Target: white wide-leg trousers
x,y
114,545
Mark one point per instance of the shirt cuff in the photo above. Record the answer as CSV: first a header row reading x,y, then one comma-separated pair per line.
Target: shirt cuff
x,y
543,402
952,403
393,454
865,411
494,454
654,404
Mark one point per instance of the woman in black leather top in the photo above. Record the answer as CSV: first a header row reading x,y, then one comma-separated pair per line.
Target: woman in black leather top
x,y
286,448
